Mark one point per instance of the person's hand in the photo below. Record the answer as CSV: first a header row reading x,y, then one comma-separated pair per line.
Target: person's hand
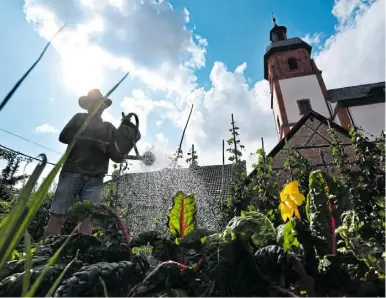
x,y
102,146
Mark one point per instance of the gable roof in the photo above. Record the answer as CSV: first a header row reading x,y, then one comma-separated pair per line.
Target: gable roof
x,y
310,115
367,93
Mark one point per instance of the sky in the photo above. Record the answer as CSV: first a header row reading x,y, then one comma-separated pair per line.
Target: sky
x,y
178,53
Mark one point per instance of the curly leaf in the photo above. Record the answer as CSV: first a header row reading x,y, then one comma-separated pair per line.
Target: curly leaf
x,y
195,239
251,224
286,235
182,216
366,250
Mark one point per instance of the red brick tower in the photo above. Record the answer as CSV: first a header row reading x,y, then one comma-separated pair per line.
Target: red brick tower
x,y
296,83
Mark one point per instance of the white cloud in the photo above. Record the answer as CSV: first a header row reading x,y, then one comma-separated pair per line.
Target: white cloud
x,y
312,39
346,10
46,128
355,54
211,120
161,139
107,117
148,38
143,106
166,59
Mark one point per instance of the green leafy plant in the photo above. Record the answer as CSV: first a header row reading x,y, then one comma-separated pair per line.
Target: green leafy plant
x,y
366,250
265,189
251,224
192,157
182,215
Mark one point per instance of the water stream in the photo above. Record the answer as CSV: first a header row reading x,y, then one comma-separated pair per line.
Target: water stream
x,y
148,194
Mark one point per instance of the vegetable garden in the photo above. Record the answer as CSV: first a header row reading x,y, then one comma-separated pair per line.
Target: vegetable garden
x,y
318,235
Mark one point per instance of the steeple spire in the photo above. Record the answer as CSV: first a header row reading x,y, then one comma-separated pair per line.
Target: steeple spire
x,y
277,33
273,19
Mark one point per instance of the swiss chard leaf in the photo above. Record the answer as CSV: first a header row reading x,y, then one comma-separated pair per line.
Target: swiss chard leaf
x,y
251,224
286,235
182,215
366,250
326,200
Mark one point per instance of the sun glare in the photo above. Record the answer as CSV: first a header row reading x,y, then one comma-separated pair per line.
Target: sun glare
x,y
81,75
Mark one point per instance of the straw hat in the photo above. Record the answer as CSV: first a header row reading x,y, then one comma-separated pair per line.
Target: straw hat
x,y
93,97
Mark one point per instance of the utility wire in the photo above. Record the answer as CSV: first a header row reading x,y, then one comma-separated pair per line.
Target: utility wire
x,y
11,133
34,158
19,153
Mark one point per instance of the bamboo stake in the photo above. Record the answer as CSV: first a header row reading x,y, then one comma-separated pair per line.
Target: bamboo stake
x,y
222,176
182,138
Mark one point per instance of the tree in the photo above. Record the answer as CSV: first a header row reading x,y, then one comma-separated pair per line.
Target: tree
x,y
9,177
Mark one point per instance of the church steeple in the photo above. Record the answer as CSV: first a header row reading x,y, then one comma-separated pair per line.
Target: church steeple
x,y
296,83
277,33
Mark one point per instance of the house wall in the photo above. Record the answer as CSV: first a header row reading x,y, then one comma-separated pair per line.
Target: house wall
x,y
302,87
371,117
301,137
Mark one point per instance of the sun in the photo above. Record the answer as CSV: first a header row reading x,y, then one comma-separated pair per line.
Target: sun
x,y
83,63
80,74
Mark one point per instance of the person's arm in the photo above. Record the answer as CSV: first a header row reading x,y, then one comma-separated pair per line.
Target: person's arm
x,y
70,130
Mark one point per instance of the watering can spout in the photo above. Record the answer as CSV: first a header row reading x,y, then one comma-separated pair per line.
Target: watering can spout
x,y
148,158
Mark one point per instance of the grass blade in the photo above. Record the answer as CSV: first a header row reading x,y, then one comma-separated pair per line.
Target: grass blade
x,y
10,224
24,194
51,262
104,287
27,263
33,206
60,277
17,85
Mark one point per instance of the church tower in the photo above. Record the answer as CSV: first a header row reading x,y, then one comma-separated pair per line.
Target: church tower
x,y
296,83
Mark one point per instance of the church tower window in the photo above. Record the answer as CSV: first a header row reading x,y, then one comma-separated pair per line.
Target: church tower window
x,y
304,106
292,63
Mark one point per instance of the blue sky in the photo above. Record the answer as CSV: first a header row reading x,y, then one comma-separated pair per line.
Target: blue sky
x,y
231,33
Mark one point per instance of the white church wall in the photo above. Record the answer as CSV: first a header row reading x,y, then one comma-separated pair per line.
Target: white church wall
x,y
304,87
337,120
371,117
276,111
332,105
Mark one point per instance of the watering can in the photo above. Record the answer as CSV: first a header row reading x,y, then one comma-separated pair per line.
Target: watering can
x,y
147,158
